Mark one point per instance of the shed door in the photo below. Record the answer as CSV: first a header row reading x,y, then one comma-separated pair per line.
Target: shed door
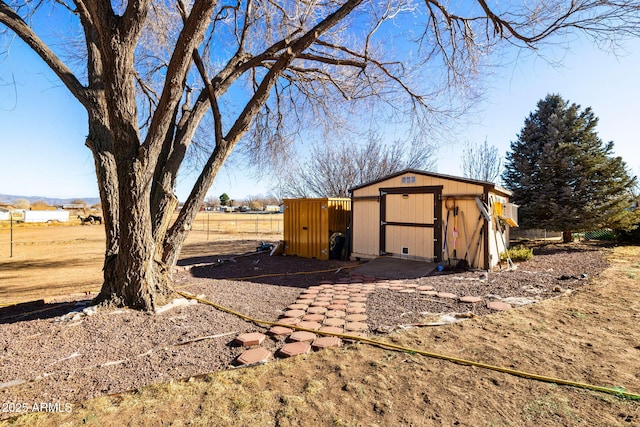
x,y
409,223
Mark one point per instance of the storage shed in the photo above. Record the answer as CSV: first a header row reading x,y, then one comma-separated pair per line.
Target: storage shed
x,y
310,223
433,217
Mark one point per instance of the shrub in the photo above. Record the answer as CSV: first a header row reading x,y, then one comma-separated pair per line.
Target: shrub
x,y
517,253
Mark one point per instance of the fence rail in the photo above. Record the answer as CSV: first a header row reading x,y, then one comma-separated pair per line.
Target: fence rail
x,y
238,223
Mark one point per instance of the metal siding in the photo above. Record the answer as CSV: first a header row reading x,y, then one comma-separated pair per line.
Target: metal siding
x,y
309,223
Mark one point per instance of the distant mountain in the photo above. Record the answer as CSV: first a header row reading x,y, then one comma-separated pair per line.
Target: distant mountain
x,y
9,199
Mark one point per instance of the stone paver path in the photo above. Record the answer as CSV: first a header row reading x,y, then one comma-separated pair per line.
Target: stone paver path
x,y
338,308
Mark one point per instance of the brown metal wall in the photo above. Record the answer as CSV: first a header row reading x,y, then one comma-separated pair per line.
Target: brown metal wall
x,y
309,223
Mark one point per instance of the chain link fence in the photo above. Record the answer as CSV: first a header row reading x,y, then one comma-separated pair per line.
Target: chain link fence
x,y
605,234
542,234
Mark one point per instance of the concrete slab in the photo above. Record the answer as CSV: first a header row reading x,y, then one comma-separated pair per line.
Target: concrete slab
x,y
396,268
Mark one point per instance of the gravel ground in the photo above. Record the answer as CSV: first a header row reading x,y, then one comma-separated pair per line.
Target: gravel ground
x,y
553,271
45,359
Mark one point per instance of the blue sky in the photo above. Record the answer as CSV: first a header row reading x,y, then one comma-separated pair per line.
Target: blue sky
x,y
42,150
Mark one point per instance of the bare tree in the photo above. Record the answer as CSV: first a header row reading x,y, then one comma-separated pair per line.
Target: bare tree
x,y
22,203
212,202
482,162
150,73
332,169
41,205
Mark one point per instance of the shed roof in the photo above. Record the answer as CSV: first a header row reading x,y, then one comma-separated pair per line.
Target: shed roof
x,y
486,184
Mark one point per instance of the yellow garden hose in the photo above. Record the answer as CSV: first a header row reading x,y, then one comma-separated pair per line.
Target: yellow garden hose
x,y
291,274
608,390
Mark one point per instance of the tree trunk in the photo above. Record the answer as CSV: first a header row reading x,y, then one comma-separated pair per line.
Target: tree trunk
x,y
134,273
567,236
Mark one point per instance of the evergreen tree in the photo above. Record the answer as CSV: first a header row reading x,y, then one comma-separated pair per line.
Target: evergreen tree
x,y
224,199
563,176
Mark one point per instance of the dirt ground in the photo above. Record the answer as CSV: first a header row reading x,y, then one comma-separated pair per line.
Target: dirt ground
x,y
48,261
582,328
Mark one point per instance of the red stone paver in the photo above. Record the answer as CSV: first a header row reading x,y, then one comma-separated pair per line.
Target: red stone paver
x,y
498,306
335,313
446,295
356,310
340,301
333,321
280,330
295,348
407,291
337,307
425,288
471,299
356,327
317,310
304,301
327,293
320,304
302,336
309,325
356,318
298,307
289,320
255,355
359,299
356,304
294,313
331,329
250,339
325,342
313,318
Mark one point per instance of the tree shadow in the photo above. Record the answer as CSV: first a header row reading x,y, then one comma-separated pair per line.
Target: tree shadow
x,y
42,264
553,248
260,267
192,253
36,310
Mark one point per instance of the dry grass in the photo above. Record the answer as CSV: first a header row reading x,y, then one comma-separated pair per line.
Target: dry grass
x,y
361,385
56,260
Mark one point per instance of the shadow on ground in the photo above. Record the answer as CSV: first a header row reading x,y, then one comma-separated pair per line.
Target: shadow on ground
x,y
260,267
35,310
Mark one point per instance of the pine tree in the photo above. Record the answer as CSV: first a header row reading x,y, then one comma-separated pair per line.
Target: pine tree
x,y
224,199
564,177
